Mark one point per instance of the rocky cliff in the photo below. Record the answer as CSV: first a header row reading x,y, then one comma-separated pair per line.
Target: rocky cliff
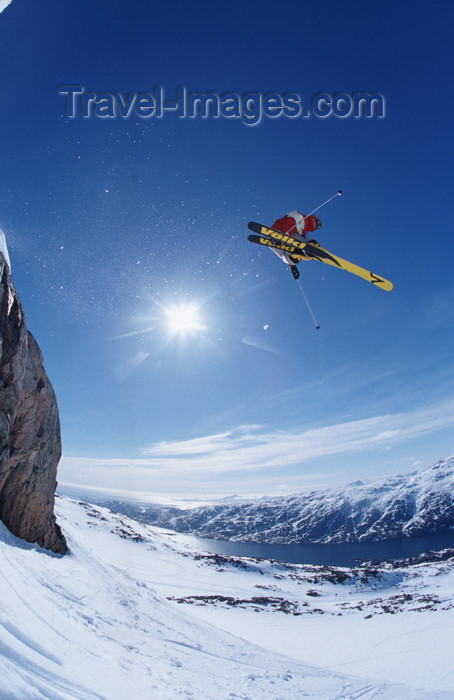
x,y
30,442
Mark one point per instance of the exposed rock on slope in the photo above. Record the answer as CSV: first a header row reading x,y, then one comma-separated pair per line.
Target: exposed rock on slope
x,y
30,443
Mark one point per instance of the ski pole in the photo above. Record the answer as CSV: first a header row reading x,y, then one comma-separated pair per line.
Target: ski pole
x,y
338,194
293,229
308,305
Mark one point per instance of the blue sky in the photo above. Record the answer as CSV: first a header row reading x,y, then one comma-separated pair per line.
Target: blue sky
x,y
111,222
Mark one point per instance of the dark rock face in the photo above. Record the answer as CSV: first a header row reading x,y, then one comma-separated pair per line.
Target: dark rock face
x,y
30,442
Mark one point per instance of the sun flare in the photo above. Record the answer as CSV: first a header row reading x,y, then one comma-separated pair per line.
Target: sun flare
x,y
183,319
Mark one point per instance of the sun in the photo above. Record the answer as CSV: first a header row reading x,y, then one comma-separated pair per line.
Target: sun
x,y
183,319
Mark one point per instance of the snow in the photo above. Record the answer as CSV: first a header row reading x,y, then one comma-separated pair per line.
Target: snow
x,y
419,504
136,611
3,246
4,4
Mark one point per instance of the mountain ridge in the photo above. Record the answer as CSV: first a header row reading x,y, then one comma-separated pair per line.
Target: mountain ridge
x,y
403,506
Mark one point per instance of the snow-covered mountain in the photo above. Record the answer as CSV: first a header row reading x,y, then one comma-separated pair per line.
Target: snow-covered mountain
x,y
134,611
421,503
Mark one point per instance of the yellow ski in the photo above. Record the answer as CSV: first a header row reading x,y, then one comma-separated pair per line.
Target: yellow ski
x,y
300,250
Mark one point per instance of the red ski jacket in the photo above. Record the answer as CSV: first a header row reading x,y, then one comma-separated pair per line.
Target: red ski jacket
x,y
295,222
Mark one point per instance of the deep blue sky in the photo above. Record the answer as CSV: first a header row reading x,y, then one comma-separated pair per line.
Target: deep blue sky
x,y
111,221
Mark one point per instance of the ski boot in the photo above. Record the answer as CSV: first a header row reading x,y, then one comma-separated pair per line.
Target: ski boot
x,y
295,272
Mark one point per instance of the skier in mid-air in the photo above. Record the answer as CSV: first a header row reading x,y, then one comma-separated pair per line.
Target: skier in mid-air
x,y
287,237
296,225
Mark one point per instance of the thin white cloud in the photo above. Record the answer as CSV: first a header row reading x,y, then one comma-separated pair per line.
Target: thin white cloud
x,y
251,449
385,435
254,447
204,446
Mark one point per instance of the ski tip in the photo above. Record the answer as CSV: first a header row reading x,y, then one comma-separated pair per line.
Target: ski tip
x,y
381,282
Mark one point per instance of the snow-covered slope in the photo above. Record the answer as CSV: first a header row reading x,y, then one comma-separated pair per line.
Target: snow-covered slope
x,y
411,505
133,611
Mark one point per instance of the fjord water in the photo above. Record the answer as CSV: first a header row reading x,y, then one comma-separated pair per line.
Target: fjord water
x,y
331,554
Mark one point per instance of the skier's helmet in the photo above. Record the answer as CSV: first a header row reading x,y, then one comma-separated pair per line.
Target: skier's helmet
x,y
313,223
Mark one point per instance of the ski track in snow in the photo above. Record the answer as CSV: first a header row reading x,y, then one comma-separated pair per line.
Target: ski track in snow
x,y
136,611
